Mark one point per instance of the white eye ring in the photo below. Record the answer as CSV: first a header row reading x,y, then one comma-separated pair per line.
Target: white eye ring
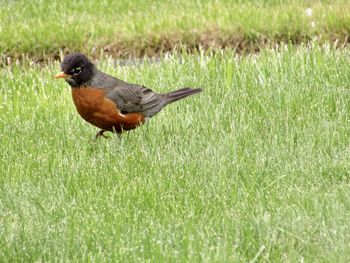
x,y
76,71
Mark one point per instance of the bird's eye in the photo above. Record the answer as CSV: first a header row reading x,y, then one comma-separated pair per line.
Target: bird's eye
x,y
76,71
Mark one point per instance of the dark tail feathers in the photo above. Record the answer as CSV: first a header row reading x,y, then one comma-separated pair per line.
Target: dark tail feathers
x,y
180,94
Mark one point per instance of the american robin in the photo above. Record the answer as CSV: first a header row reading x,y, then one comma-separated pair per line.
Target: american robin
x,y
109,103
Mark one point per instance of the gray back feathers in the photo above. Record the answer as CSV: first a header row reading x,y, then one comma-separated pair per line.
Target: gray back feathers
x,y
135,98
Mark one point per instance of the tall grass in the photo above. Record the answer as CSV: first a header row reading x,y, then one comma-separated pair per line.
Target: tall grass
x,y
254,168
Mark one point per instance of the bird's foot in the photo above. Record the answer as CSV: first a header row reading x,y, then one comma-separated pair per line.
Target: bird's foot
x,y
100,134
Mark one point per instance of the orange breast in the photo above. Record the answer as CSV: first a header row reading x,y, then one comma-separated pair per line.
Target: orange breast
x,y
93,107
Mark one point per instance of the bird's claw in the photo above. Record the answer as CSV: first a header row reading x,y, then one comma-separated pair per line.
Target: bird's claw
x,y
100,133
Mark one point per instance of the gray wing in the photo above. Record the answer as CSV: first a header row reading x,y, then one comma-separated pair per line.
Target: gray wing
x,y
134,98
130,97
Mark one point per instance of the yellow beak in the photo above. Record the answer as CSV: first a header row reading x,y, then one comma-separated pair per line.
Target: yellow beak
x,y
61,75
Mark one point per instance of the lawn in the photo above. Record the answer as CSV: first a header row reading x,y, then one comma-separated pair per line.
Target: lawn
x,y
255,168
124,28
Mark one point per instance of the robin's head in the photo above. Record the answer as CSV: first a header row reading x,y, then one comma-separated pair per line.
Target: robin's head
x,y
77,70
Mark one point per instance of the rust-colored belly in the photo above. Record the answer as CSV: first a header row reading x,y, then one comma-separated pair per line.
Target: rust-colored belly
x,y
103,113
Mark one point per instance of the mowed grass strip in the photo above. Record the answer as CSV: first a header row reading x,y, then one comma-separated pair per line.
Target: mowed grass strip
x,y
255,167
137,28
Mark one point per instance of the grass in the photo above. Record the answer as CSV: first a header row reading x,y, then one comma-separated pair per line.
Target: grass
x,y
256,168
136,28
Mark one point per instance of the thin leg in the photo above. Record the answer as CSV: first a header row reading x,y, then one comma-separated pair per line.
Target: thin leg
x,y
118,133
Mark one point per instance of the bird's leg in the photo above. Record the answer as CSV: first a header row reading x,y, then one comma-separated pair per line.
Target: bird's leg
x,y
100,133
119,134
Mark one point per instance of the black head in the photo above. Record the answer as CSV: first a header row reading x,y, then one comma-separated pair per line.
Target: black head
x,y
77,70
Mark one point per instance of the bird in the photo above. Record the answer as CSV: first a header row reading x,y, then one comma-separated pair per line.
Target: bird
x,y
109,103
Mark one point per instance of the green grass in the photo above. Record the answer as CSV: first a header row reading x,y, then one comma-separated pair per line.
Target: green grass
x,y
255,167
135,28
